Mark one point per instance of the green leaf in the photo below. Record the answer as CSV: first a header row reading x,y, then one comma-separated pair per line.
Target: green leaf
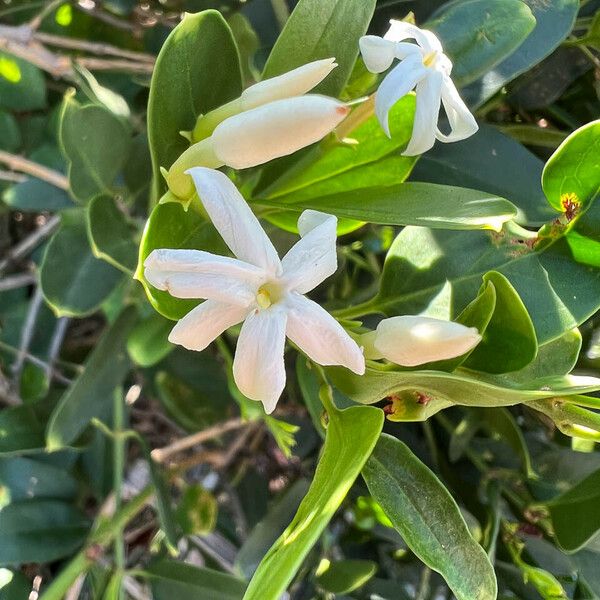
x,y
73,280
40,531
91,394
169,226
574,169
22,428
22,85
554,21
345,576
575,516
351,435
322,29
13,585
111,237
148,343
428,519
172,579
197,70
35,195
479,34
96,143
113,589
10,134
197,511
425,204
509,341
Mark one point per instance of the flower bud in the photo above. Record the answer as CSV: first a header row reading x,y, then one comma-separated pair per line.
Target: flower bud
x,y
411,340
276,129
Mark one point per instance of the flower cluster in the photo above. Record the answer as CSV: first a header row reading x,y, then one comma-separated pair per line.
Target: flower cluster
x,y
257,288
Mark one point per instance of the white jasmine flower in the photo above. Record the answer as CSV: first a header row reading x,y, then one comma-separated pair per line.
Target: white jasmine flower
x,y
412,340
423,66
258,288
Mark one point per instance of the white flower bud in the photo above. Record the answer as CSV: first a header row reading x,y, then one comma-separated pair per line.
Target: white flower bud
x,y
276,129
293,83
411,340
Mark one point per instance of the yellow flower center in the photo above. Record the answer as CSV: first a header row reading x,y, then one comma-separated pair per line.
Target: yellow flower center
x,y
263,298
268,294
429,58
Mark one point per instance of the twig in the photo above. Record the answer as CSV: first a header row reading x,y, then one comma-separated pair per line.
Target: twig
x,y
101,64
46,10
34,360
17,281
220,549
75,590
99,14
12,177
56,343
27,333
7,394
161,454
24,165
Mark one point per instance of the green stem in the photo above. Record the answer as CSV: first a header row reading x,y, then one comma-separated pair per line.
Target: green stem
x,y
571,419
59,587
118,468
358,310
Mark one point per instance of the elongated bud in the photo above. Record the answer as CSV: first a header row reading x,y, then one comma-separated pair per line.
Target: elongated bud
x,y
276,129
410,340
293,83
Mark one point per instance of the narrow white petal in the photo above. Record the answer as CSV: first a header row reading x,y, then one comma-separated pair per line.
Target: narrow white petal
x,y
426,114
401,80
199,274
313,258
462,122
378,54
411,340
404,50
401,30
205,323
258,366
320,336
293,83
276,129
234,219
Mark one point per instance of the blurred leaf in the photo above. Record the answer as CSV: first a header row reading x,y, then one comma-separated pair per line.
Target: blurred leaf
x,y
345,576
98,94
113,589
247,42
91,394
532,135
172,579
34,384
111,237
35,195
197,511
40,531
10,134
96,144
197,70
351,435
13,585
479,34
148,344
22,85
322,29
22,428
428,519
73,280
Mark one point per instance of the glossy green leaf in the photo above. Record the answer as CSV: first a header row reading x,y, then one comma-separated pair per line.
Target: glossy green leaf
x,y
148,343
575,515
553,23
428,519
322,29
574,168
22,85
91,394
169,226
351,435
40,531
111,236
35,195
479,34
509,341
22,428
172,579
96,144
10,135
345,576
197,70
73,280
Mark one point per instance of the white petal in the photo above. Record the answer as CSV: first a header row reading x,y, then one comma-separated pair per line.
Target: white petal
x,y
401,30
276,129
314,257
293,83
426,114
462,122
205,323
401,80
234,219
199,274
258,366
378,54
320,336
411,340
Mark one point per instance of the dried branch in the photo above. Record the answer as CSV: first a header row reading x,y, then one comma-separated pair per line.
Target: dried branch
x,y
12,177
24,165
17,281
27,332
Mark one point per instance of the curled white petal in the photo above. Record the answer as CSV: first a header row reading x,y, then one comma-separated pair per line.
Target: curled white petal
x,y
401,30
320,336
234,219
258,366
378,54
205,323
313,258
426,114
276,129
462,122
293,83
412,340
